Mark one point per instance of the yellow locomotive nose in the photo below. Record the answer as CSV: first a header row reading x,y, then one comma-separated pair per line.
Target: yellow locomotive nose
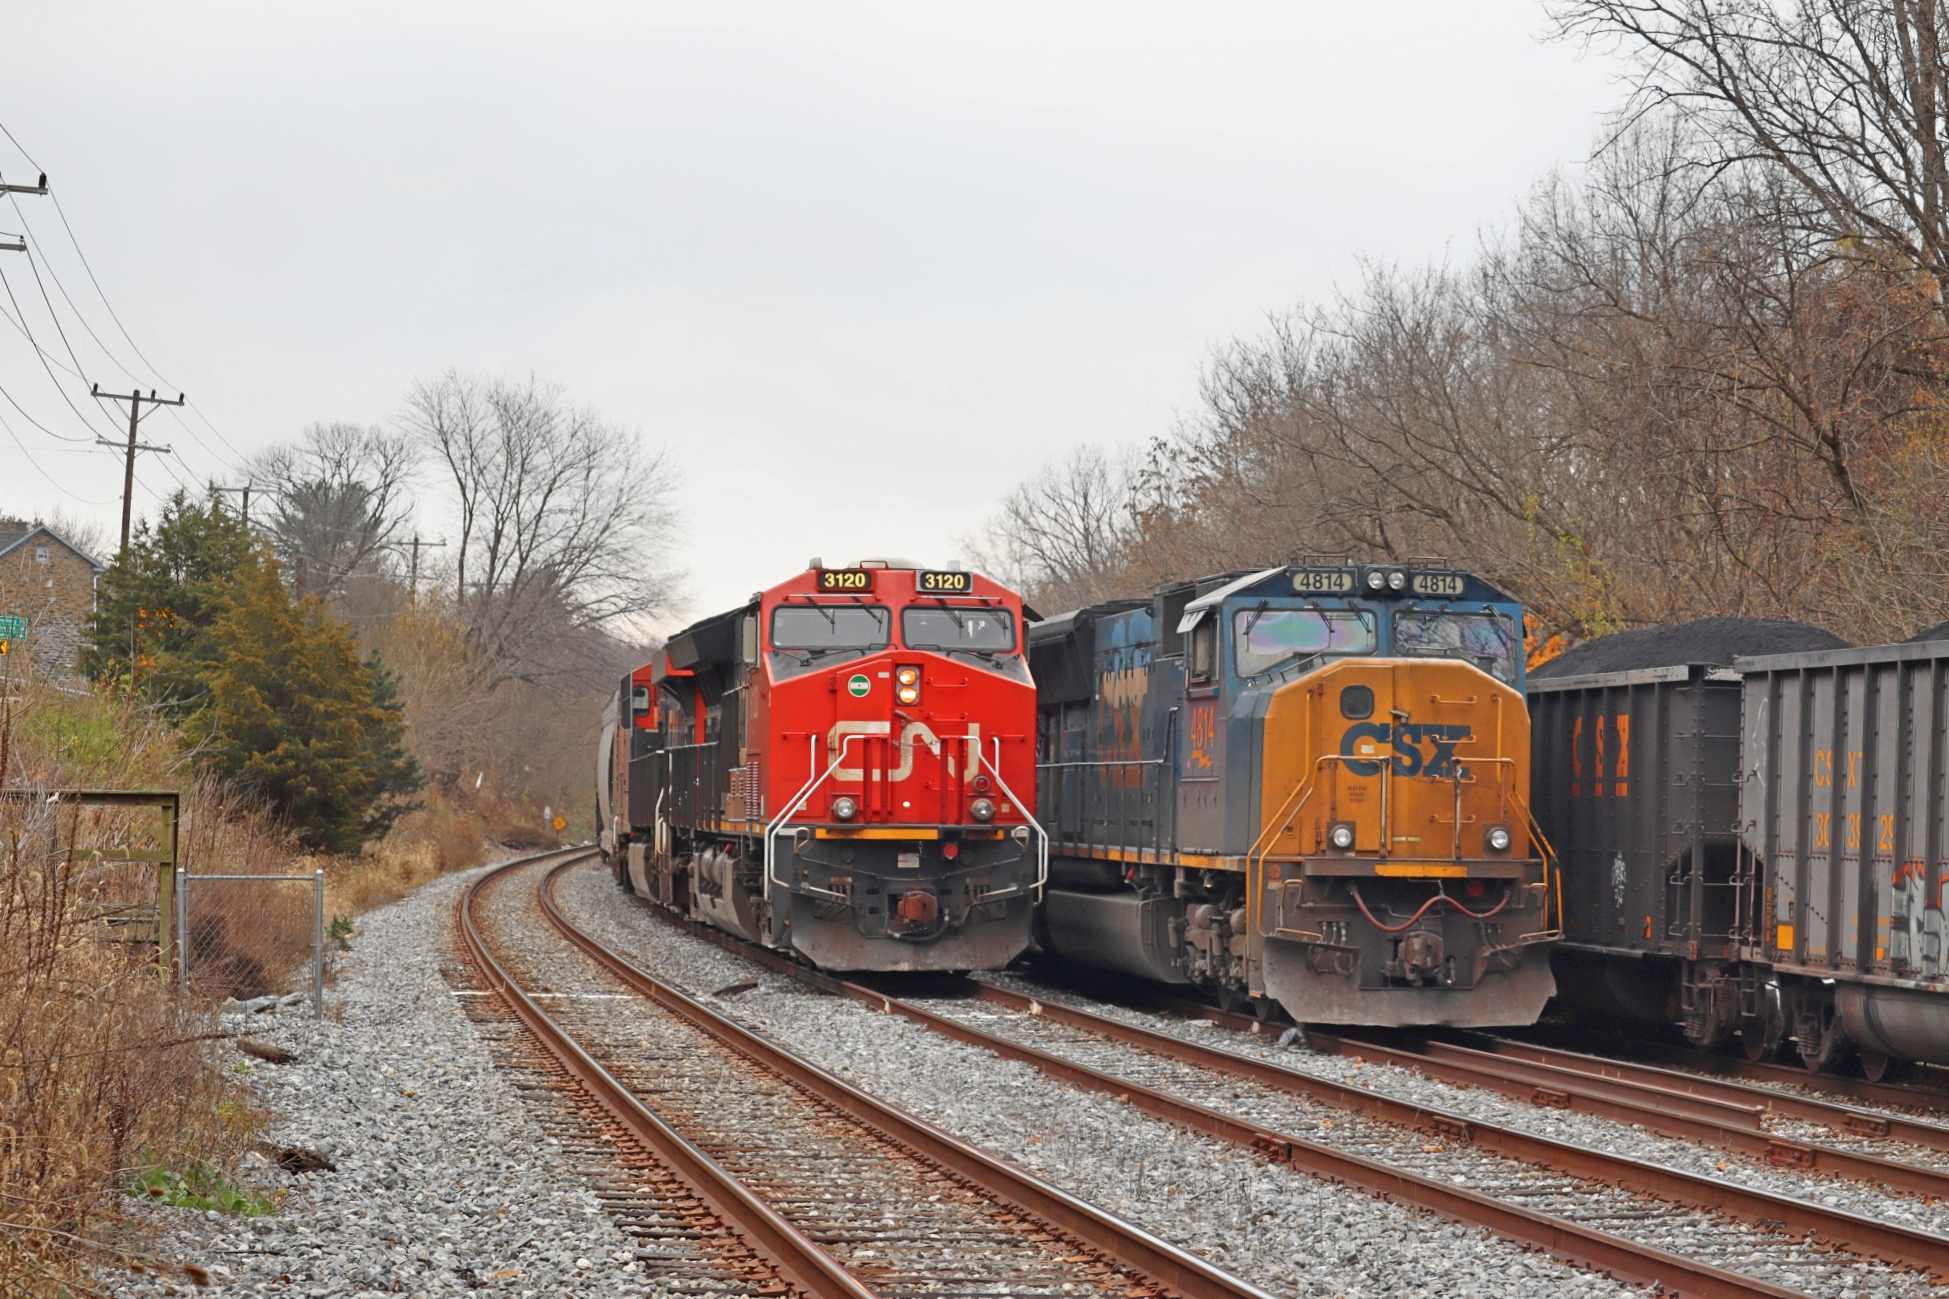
x,y
1393,868
1416,765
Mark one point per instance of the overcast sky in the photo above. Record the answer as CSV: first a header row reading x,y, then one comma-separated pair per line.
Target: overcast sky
x,y
858,268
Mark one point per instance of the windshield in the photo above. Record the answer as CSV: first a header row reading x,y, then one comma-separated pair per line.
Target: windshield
x,y
948,628
805,636
983,637
1487,640
1262,639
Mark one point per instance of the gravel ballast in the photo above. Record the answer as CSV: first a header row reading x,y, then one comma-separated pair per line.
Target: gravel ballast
x,y
445,1183
1282,1230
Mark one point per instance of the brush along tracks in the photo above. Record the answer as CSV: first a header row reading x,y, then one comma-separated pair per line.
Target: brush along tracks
x,y
837,1192
1638,1219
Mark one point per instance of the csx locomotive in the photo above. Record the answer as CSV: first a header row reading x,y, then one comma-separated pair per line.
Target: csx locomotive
x,y
839,769
1307,786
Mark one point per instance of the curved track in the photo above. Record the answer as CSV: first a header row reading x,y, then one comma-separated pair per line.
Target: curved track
x,y
1589,1221
840,1192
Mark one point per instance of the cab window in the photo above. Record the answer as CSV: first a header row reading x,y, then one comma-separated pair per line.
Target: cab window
x,y
1264,639
981,636
807,636
1489,641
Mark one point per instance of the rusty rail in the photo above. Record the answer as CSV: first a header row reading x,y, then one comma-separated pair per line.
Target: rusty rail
x,y
1725,1116
1919,1096
797,1259
1583,1246
1181,1271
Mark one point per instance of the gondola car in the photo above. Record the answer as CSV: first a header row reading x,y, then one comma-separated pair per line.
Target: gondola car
x,y
839,769
1756,845
1306,786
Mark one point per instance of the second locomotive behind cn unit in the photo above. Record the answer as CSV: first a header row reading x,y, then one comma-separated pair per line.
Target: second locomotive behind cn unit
x,y
833,770
1306,785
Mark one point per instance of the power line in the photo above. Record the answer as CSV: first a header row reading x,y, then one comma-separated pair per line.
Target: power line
x,y
8,285
42,472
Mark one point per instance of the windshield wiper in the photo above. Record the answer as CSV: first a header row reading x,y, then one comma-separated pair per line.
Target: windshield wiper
x,y
959,626
1257,614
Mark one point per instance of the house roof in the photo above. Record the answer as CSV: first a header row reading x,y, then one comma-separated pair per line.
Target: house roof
x,y
13,537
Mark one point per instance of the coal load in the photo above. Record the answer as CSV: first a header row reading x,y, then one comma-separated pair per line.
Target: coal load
x,y
1706,640
1938,632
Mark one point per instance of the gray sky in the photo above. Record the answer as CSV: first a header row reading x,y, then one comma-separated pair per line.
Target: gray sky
x,y
859,267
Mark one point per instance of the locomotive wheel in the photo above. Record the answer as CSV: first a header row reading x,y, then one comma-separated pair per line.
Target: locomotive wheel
x,y
1881,1068
1230,999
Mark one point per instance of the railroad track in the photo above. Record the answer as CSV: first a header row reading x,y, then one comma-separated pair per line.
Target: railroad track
x,y
1594,1208
832,1190
1901,1095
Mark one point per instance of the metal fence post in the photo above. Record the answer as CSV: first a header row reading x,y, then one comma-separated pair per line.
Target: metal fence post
x,y
318,945
182,927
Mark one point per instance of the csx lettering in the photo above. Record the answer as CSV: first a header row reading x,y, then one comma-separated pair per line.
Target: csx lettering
x,y
1418,749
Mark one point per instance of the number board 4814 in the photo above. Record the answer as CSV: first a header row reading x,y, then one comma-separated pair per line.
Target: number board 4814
x,y
1323,581
1448,584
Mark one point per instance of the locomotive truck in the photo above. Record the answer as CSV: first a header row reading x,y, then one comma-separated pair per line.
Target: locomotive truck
x,y
1305,786
839,768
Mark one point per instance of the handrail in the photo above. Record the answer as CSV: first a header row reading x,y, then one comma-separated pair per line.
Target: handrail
x,y
798,801
1042,853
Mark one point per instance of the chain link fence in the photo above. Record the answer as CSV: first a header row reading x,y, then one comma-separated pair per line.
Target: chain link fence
x,y
246,936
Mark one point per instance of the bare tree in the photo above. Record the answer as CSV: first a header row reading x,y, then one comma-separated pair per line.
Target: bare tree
x,y
1061,536
1848,98
338,498
564,520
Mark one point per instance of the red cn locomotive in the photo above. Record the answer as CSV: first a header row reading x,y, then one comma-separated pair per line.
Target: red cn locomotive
x,y
843,768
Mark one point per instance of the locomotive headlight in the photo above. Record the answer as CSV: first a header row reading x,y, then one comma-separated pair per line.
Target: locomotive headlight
x,y
1498,838
1341,836
906,685
844,808
982,809
1397,581
1376,580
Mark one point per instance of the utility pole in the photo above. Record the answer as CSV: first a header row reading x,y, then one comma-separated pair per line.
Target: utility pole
x,y
414,587
135,400
19,243
245,489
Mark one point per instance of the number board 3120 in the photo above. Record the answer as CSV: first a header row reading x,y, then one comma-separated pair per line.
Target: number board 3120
x,y
930,582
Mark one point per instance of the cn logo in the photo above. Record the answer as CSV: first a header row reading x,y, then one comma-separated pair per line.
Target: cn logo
x,y
1416,749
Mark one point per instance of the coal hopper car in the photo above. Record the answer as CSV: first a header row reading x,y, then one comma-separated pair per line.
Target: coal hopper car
x,y
1757,849
838,769
1305,786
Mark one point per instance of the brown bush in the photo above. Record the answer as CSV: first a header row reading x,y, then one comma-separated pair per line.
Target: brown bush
x,y
441,837
104,1069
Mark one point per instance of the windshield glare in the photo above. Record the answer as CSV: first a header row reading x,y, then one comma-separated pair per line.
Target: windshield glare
x,y
949,628
1265,638
1486,640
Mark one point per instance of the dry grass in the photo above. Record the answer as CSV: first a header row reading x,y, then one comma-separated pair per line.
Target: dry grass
x,y
439,838
105,1071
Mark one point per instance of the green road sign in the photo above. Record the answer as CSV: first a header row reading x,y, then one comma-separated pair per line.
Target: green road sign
x,y
12,627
